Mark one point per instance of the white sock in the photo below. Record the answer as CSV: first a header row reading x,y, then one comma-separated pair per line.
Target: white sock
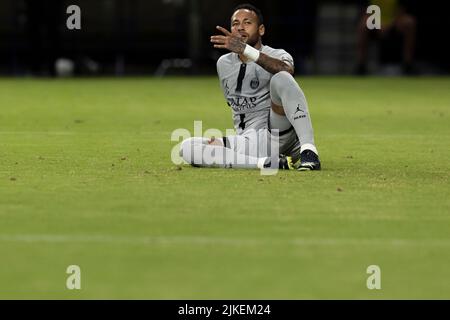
x,y
308,146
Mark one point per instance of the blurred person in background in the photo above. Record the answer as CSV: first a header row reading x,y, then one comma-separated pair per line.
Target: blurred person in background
x,y
395,21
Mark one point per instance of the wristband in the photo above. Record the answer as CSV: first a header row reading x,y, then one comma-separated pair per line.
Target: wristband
x,y
251,53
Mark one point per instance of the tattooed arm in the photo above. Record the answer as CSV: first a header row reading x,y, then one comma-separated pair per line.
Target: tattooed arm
x,y
273,65
235,44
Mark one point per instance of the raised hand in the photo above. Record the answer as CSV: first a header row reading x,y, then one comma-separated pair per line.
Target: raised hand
x,y
229,41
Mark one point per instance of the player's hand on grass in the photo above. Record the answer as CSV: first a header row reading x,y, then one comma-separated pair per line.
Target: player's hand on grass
x,y
230,41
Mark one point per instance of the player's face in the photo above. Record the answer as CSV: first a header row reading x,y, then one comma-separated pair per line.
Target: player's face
x,y
245,23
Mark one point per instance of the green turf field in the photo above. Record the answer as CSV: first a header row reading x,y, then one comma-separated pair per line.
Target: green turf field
x,y
86,179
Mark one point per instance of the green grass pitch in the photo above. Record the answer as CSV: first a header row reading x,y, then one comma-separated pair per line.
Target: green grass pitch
x,y
86,179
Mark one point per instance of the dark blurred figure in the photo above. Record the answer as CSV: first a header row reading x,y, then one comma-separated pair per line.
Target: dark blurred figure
x,y
43,22
397,25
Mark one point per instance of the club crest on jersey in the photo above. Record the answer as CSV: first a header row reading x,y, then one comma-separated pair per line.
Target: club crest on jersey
x,y
254,83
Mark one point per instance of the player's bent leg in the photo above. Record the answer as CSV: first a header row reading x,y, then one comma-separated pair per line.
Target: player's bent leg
x,y
199,152
285,92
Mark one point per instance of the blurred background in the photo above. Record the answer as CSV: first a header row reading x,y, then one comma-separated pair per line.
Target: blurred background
x,y
171,37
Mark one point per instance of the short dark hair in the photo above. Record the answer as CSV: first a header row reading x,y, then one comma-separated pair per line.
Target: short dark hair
x,y
251,7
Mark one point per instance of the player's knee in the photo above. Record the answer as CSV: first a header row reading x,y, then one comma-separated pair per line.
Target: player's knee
x,y
281,76
280,80
280,84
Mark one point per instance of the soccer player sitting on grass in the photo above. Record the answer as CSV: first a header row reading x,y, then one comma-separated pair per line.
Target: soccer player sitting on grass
x,y
258,84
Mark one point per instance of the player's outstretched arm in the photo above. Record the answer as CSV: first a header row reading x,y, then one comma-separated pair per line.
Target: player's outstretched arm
x,y
235,44
232,42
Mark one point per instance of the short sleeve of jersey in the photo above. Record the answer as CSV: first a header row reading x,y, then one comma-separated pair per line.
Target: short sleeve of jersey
x,y
221,66
281,55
